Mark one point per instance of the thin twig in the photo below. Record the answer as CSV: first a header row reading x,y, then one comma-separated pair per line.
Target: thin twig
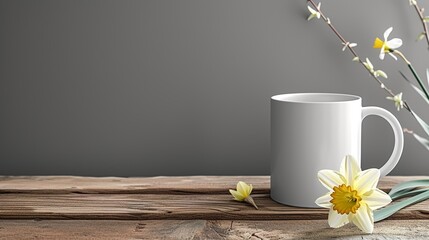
x,y
422,19
406,130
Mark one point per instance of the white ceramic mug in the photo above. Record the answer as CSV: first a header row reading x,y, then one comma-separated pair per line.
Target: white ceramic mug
x,y
314,131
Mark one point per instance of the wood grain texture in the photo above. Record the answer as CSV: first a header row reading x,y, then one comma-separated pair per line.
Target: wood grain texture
x,y
206,229
179,198
154,206
148,185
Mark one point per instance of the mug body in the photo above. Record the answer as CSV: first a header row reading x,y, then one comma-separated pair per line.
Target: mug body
x,y
310,132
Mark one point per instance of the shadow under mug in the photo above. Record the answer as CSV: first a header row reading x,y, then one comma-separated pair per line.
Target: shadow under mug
x,y
315,131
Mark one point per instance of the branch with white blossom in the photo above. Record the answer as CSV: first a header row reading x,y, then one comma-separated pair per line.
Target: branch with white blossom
x,y
423,19
375,74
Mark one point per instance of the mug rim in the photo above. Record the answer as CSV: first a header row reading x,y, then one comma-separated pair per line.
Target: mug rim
x,y
305,98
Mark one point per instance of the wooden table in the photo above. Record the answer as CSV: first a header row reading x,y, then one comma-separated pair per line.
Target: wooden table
x,y
197,207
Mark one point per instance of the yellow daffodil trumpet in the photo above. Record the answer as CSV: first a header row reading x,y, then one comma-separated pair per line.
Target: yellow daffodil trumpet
x,y
243,193
387,46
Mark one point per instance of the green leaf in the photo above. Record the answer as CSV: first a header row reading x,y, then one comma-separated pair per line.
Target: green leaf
x,y
393,208
409,185
401,190
427,75
407,193
422,140
422,123
420,92
416,76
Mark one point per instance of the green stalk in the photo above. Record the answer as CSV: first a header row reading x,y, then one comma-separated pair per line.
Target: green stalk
x,y
418,80
416,76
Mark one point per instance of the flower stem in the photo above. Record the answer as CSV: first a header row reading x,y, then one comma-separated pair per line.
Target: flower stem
x,y
401,55
406,130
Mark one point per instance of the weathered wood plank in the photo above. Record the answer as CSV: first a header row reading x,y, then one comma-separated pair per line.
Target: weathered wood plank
x,y
202,229
163,206
197,197
139,185
156,185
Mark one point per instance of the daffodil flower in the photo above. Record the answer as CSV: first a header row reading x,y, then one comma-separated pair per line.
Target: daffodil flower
x,y
243,193
352,195
314,13
387,46
398,101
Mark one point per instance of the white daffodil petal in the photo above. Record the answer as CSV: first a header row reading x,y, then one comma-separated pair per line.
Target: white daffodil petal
x,y
349,169
324,201
376,199
330,178
353,44
337,220
367,180
364,219
387,33
237,196
382,53
394,43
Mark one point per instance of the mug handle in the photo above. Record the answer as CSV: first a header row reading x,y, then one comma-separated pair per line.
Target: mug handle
x,y
397,131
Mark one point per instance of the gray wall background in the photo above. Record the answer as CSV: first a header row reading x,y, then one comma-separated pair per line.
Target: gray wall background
x,y
182,87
